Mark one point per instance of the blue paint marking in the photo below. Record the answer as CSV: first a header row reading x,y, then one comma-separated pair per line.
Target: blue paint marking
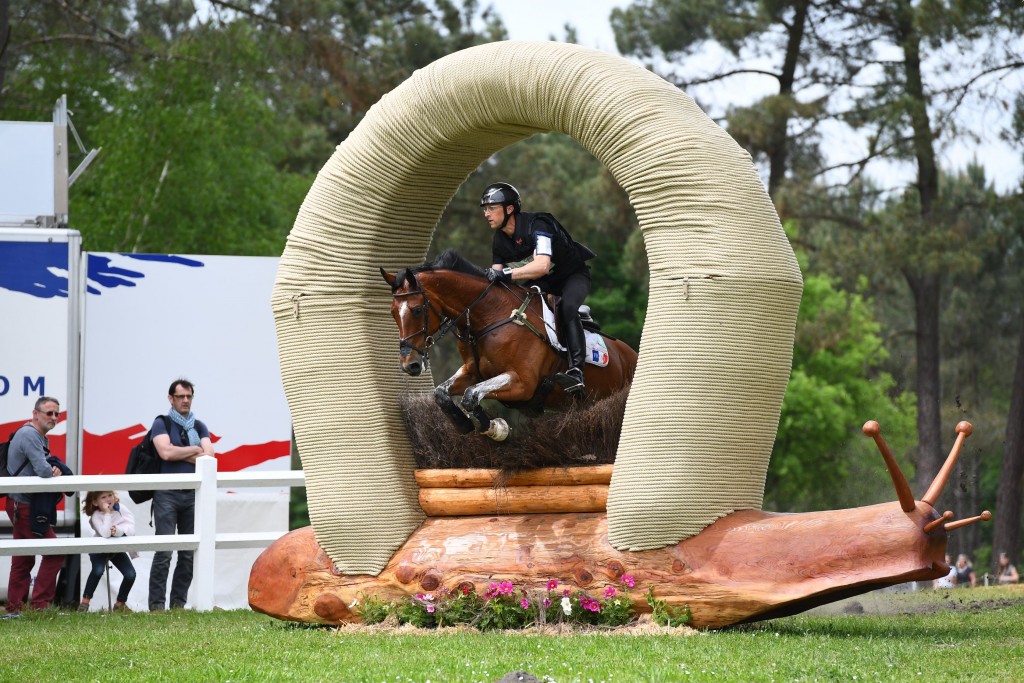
x,y
25,267
28,267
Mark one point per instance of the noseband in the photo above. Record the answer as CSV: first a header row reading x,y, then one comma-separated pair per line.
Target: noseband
x,y
405,345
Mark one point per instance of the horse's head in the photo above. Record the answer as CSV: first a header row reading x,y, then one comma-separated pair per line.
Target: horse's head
x,y
412,312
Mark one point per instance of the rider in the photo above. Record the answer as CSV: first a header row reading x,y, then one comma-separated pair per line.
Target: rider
x,y
535,248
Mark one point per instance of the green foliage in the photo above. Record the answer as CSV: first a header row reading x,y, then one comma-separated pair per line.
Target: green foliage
x,y
213,123
820,460
664,614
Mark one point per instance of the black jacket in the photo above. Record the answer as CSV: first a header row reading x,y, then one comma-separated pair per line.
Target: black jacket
x,y
568,256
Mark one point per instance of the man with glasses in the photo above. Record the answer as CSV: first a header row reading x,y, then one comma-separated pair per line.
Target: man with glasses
x,y
174,510
29,456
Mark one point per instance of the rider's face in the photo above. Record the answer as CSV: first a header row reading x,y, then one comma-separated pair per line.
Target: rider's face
x,y
494,214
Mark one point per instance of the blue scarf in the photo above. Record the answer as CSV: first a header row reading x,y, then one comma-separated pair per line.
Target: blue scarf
x,y
186,423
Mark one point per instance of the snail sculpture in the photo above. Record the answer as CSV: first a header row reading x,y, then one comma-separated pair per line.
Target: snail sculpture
x,y
748,566
682,512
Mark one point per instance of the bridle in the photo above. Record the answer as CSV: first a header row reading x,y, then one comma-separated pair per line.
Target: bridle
x,y
446,325
406,346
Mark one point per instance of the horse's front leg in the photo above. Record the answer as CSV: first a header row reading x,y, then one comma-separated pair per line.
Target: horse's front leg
x,y
495,428
443,399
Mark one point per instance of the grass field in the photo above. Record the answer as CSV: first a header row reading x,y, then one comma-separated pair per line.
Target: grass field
x,y
957,635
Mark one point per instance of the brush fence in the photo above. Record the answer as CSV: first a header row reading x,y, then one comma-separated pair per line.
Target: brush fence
x,y
724,291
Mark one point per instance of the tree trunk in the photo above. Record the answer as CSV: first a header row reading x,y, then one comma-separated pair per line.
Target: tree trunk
x,y
5,41
1011,476
778,149
926,290
925,285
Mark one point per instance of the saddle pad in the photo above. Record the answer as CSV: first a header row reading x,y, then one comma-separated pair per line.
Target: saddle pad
x,y
596,349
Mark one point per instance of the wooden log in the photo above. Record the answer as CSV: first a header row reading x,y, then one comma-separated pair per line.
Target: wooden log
x,y
747,566
438,502
553,476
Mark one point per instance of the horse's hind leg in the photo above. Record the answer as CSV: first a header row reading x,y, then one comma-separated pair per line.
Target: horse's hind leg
x,y
495,428
444,401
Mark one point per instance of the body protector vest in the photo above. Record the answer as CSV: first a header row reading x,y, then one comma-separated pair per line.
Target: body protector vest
x,y
567,255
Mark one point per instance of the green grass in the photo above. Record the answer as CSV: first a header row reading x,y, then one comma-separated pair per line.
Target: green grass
x,y
967,635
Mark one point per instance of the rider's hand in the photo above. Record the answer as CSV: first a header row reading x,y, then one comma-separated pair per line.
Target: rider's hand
x,y
499,275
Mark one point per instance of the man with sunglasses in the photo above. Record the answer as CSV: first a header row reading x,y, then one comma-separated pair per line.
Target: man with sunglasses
x,y
174,510
29,456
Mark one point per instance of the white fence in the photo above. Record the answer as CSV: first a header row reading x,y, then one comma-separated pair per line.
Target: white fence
x,y
204,541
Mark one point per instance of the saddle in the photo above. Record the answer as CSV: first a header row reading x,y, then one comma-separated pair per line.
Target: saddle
x,y
588,321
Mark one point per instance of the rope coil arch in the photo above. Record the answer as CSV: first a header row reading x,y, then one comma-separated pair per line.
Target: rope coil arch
x,y
703,411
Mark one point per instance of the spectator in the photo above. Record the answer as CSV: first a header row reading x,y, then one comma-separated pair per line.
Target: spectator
x,y
174,510
29,456
949,580
109,519
1006,572
965,572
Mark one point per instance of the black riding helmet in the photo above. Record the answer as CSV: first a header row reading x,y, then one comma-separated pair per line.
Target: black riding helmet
x,y
504,194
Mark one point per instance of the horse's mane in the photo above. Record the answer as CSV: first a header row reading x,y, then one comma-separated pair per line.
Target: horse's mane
x,y
449,259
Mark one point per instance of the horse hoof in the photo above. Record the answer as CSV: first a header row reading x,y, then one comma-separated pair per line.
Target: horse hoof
x,y
498,429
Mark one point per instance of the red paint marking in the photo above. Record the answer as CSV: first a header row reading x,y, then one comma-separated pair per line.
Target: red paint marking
x,y
108,453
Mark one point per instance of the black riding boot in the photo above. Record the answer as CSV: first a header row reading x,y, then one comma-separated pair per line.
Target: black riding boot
x,y
572,379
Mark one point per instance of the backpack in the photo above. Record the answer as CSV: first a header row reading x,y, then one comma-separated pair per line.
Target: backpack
x,y
143,459
4,448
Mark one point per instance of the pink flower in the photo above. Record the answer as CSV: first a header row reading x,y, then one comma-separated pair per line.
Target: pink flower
x,y
524,603
594,606
547,603
419,596
628,580
506,587
430,608
566,592
492,591
552,585
609,592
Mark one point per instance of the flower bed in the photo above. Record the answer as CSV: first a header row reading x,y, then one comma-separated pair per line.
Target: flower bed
x,y
506,606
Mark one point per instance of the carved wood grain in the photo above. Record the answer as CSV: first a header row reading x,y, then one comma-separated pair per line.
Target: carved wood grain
x,y
747,566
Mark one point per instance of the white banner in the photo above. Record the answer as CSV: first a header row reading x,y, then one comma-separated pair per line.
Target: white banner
x,y
151,319
148,320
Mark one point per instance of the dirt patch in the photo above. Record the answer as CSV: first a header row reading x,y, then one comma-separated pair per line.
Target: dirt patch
x,y
926,601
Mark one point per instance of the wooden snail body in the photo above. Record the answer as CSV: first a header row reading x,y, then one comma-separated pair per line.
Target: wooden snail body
x,y
749,565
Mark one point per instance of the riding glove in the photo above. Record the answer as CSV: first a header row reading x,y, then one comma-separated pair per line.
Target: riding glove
x,y
499,275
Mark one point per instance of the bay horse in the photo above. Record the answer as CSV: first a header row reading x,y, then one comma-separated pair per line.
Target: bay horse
x,y
505,357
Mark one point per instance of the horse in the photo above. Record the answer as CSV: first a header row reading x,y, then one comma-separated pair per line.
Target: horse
x,y
507,357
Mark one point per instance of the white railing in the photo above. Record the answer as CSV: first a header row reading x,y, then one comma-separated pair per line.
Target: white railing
x,y
204,541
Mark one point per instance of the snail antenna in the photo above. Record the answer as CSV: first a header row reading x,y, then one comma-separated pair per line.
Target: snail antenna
x,y
983,517
906,498
946,516
963,430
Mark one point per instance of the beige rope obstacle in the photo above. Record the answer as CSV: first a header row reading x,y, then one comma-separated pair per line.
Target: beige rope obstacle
x,y
718,338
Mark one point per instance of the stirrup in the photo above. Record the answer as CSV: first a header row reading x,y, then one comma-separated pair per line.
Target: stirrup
x,y
571,381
